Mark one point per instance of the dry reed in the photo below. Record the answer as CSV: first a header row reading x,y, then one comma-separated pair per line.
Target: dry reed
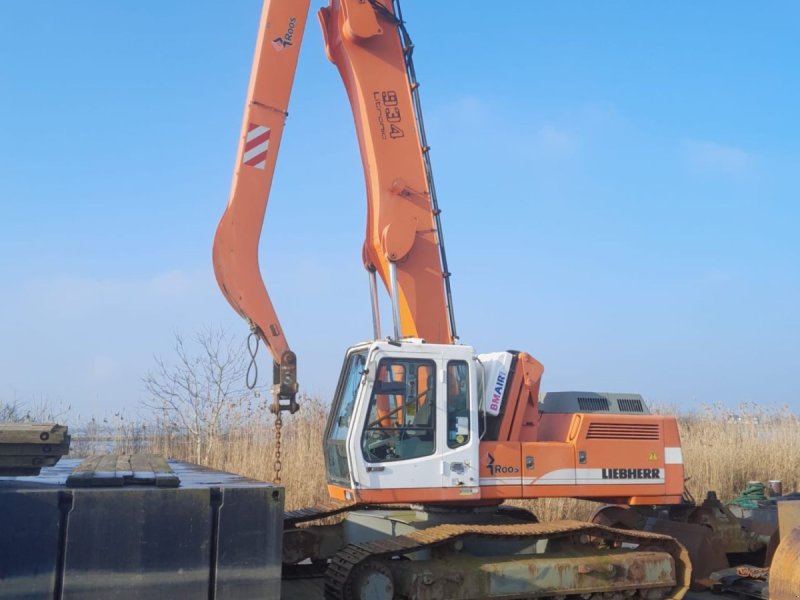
x,y
722,452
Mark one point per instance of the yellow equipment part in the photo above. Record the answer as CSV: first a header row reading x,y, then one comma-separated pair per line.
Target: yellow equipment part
x,y
784,574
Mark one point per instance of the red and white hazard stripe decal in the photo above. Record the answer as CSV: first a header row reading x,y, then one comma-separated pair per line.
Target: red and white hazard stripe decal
x,y
256,144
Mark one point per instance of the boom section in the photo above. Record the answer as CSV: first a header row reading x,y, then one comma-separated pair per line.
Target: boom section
x,y
403,239
235,252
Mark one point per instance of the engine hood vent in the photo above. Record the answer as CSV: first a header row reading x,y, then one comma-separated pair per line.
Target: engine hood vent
x,y
623,431
593,402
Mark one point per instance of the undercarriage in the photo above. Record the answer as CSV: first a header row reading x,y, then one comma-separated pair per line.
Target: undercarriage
x,y
480,553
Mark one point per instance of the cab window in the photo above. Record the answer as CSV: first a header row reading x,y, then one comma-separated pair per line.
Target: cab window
x,y
457,403
340,416
401,417
346,398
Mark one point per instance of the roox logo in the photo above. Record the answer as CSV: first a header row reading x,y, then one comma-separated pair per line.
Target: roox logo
x,y
495,469
279,43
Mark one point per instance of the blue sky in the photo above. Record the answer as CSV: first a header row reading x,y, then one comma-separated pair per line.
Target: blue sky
x,y
617,179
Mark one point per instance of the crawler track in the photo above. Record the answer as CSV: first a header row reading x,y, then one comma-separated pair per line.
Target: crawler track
x,y
339,584
291,518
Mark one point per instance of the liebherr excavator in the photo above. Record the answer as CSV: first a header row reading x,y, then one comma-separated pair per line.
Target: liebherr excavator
x,y
418,419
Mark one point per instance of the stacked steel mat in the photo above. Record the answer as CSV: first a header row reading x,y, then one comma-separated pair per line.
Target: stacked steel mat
x,y
27,447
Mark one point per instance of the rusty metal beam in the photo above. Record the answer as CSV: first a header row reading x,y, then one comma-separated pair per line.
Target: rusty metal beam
x,y
465,577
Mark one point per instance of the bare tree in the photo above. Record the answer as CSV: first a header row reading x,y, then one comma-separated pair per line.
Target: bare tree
x,y
37,409
10,410
196,392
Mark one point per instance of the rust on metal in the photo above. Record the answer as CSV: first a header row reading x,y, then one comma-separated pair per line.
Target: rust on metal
x,y
726,527
784,574
615,515
299,544
553,574
663,563
292,518
752,572
706,551
334,508
788,516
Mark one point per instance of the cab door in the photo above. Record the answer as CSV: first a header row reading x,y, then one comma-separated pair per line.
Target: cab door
x,y
459,427
396,444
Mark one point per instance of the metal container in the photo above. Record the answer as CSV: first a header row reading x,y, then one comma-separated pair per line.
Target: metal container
x,y
216,536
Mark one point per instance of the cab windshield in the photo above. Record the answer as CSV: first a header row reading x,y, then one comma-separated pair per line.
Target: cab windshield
x,y
401,415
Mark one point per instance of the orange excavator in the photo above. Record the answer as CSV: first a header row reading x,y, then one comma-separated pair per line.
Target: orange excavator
x,y
426,436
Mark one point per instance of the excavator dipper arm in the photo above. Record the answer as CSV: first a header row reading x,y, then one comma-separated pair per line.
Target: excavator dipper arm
x,y
235,251
403,237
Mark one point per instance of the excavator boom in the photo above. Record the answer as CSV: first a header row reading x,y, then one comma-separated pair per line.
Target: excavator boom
x,y
235,251
403,243
403,240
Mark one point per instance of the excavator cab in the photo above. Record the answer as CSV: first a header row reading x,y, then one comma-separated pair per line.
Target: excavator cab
x,y
414,422
401,426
